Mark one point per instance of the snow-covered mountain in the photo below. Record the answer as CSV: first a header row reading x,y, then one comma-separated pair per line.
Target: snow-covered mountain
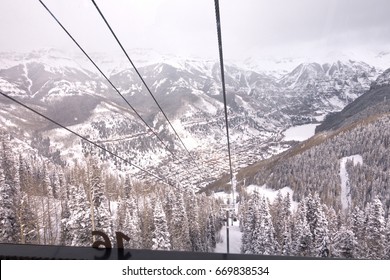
x,y
333,84
373,102
261,105
346,162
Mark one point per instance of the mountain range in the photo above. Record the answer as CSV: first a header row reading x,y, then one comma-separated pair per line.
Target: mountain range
x,y
261,106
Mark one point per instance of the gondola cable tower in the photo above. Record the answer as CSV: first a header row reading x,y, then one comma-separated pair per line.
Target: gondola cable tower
x,y
218,20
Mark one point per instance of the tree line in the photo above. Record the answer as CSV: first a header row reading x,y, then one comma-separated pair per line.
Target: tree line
x,y
44,203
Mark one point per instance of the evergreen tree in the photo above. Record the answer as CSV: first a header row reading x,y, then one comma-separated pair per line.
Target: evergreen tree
x,y
303,240
318,226
48,203
287,244
193,222
161,236
55,185
23,174
101,217
279,217
321,240
128,221
249,225
358,226
387,237
78,226
264,234
332,219
128,186
9,197
180,230
132,224
28,221
287,205
147,223
65,212
169,201
375,234
210,234
121,215
344,244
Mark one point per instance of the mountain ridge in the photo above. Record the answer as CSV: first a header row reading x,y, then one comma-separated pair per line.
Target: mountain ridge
x,y
260,106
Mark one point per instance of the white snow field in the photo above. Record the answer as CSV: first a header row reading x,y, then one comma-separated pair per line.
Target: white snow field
x,y
299,132
344,177
271,194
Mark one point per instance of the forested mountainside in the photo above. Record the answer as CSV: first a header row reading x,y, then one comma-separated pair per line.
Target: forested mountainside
x,y
341,196
261,106
56,188
315,164
341,181
313,229
376,100
45,203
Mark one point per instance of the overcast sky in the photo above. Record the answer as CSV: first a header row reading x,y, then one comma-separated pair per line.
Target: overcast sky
x,y
187,27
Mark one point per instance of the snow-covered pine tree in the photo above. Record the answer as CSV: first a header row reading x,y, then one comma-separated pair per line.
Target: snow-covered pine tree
x,y
55,184
278,216
193,222
127,219
78,225
23,174
127,187
287,205
318,226
358,227
101,213
9,196
50,226
203,216
65,236
27,218
375,233
332,219
65,212
132,224
180,236
344,244
168,202
210,233
321,239
161,236
28,221
121,214
302,237
242,211
146,222
387,238
250,220
264,241
286,247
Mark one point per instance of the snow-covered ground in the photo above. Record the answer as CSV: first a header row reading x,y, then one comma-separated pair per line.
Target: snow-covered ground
x,y
271,194
299,132
234,239
344,177
225,197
